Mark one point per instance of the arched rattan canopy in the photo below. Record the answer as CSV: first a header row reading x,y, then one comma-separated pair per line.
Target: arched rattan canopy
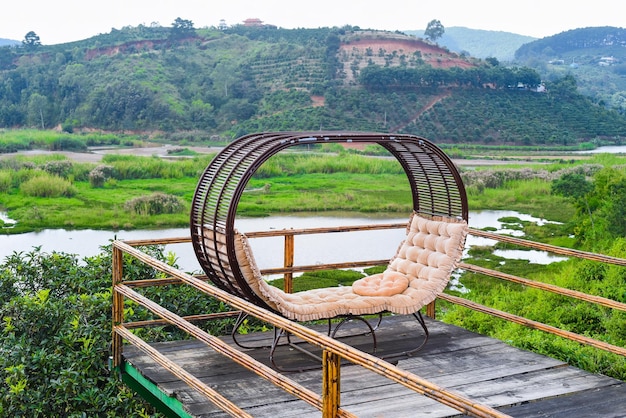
x,y
436,187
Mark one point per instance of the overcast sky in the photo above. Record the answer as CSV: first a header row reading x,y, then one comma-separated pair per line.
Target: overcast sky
x,y
59,21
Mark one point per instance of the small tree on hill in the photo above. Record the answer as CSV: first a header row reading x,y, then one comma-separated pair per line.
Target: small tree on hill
x,y
182,28
31,41
434,30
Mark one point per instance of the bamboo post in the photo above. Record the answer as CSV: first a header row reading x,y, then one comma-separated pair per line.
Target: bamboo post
x,y
430,309
331,388
288,263
118,306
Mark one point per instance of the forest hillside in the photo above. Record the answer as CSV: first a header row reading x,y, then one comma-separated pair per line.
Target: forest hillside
x,y
182,83
595,57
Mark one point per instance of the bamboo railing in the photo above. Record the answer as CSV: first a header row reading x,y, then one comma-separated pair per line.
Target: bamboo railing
x,y
328,402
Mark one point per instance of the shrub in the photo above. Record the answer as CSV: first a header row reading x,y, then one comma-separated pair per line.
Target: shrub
x,y
55,336
155,204
99,175
61,168
47,185
55,312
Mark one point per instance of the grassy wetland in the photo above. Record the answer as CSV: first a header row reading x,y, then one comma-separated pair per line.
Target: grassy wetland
x,y
131,192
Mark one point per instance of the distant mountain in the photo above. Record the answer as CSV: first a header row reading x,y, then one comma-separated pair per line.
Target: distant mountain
x,y
8,42
588,42
480,43
595,56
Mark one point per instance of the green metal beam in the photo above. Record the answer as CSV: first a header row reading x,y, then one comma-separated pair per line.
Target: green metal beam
x,y
167,405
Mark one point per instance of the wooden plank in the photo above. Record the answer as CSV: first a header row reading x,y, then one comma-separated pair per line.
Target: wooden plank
x,y
477,363
606,402
476,366
527,387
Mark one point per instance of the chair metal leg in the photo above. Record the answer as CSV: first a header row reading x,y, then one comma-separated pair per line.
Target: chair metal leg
x,y
238,323
403,354
365,321
332,332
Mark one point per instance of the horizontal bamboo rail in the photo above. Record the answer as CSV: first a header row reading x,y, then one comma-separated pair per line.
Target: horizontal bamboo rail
x,y
609,303
222,348
329,401
550,248
179,372
534,324
335,347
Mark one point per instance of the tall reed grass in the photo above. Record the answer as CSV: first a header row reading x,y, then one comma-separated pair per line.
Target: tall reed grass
x,y
47,185
303,163
6,181
132,167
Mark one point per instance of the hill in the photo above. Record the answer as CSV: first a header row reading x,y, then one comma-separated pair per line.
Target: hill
x,y
8,42
480,43
595,57
200,84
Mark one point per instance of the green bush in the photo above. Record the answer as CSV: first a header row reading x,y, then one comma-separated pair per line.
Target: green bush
x,y
99,175
55,312
61,168
46,185
55,336
155,204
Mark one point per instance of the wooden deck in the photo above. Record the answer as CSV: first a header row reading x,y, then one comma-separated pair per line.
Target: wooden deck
x,y
516,382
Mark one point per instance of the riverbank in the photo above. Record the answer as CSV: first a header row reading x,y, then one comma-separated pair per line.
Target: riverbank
x,y
96,154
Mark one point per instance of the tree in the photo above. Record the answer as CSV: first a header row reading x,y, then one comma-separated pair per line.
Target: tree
x,y
493,61
576,187
434,30
31,41
182,28
37,110
616,208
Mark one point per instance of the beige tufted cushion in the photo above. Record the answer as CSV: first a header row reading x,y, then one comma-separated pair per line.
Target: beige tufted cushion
x,y
426,258
248,266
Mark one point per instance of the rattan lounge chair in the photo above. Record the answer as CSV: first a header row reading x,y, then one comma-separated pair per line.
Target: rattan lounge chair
x,y
414,277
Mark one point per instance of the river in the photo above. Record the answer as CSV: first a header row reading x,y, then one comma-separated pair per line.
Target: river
x,y
309,249
609,149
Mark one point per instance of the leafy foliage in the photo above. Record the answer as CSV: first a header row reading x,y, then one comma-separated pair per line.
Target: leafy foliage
x,y
56,321
56,332
600,202
182,28
31,41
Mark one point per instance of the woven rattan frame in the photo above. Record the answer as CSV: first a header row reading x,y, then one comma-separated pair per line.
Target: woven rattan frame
x,y
435,182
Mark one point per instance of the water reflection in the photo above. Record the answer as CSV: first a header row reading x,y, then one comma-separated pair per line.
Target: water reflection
x,y
609,149
533,256
8,222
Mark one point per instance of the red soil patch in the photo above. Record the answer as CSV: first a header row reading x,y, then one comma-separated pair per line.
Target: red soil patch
x,y
432,54
318,101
